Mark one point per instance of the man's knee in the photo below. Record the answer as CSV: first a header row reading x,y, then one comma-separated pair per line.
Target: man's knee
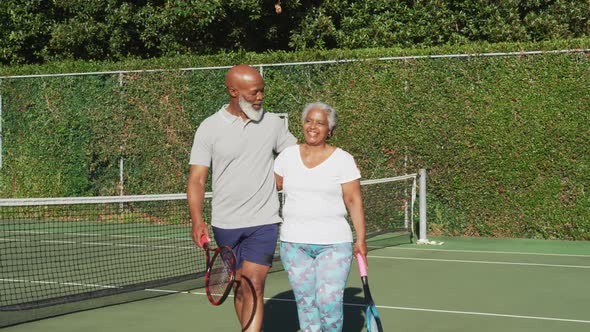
x,y
254,277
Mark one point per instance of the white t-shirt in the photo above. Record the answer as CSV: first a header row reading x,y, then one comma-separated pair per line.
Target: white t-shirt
x,y
314,211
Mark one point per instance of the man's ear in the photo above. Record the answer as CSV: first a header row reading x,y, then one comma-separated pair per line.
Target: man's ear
x,y
233,92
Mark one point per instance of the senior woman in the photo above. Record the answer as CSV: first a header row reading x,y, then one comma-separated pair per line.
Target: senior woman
x,y
320,183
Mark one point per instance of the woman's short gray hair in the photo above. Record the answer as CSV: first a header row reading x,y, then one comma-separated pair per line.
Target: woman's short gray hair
x,y
330,112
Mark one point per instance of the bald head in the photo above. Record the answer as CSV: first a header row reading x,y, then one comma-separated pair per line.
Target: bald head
x,y
245,87
242,76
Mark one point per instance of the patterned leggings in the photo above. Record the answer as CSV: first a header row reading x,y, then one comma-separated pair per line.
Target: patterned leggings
x,y
318,275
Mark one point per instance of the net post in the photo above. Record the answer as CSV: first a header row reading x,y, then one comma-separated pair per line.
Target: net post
x,y
121,150
121,179
422,237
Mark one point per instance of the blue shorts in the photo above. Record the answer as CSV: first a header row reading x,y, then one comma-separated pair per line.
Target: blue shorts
x,y
255,244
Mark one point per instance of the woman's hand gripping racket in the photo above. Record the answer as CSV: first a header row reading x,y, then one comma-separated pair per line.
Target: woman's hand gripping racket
x,y
371,315
220,273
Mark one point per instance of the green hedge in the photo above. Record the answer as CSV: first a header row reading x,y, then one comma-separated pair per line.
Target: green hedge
x,y
36,31
504,138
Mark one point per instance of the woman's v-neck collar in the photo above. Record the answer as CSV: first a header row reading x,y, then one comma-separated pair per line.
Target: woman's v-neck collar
x,y
316,166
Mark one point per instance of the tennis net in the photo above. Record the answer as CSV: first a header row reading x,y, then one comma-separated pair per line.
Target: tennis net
x,y
64,250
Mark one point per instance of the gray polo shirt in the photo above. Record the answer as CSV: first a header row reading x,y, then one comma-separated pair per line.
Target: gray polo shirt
x,y
241,156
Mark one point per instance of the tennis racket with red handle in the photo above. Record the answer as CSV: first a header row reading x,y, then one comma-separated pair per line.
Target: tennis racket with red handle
x,y
220,273
371,315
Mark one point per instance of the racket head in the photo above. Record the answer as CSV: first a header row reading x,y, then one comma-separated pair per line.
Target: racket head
x,y
220,275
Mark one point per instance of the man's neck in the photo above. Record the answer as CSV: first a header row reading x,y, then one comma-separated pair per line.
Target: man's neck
x,y
236,111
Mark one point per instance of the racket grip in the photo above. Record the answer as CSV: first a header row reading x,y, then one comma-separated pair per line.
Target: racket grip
x,y
362,263
204,239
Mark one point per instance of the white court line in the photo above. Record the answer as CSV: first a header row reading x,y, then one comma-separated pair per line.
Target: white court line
x,y
11,240
481,262
487,252
488,314
127,245
419,309
56,241
172,291
106,244
99,234
57,283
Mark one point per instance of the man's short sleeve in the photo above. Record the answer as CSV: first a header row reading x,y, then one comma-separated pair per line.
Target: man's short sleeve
x,y
201,152
284,138
280,164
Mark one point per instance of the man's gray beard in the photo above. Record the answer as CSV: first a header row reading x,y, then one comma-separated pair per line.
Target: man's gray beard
x,y
250,112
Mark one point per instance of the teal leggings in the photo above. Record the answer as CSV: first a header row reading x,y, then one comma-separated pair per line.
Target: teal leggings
x,y
318,275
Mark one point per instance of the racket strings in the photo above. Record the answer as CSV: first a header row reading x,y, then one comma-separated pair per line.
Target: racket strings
x,y
221,274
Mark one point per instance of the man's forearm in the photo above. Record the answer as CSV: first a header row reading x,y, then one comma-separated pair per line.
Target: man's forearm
x,y
196,196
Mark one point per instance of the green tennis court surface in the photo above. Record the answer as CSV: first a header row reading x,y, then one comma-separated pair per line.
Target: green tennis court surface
x,y
63,255
466,284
